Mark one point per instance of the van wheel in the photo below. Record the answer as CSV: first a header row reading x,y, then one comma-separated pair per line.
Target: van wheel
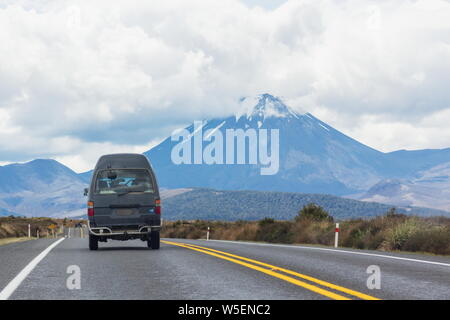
x,y
153,240
93,242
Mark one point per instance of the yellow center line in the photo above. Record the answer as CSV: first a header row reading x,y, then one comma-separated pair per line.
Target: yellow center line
x,y
305,285
300,275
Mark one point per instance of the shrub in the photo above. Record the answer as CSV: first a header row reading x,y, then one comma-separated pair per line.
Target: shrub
x,y
388,232
392,213
375,241
313,212
401,233
266,221
302,231
279,232
436,240
248,232
354,237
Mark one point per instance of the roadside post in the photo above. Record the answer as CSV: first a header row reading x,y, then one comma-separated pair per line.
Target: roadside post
x,y
29,230
37,233
207,235
336,236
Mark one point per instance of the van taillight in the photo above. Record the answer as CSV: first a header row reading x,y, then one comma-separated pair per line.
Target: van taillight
x,y
90,206
158,206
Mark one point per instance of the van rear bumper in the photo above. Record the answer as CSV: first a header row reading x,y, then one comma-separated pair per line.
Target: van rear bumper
x,y
105,231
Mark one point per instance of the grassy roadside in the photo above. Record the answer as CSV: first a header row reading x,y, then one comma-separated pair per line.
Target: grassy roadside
x,y
12,240
340,247
391,232
17,227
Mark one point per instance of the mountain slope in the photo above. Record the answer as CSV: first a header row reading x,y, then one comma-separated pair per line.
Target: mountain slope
x,y
34,175
86,176
210,204
313,156
41,187
409,164
430,188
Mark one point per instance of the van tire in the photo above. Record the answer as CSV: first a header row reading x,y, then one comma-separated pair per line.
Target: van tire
x,y
153,240
93,242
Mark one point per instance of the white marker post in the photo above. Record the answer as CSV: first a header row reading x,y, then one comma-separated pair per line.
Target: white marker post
x,y
207,235
336,236
68,233
29,230
37,233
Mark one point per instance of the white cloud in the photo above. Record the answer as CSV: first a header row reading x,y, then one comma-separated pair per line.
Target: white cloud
x,y
83,156
268,4
76,75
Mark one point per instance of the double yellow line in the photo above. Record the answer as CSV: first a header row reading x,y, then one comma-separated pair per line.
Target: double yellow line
x,y
279,273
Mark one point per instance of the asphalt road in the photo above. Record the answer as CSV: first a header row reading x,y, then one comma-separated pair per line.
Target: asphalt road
x,y
129,270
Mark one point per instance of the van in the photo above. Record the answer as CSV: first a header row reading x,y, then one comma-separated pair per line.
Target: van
x,y
123,201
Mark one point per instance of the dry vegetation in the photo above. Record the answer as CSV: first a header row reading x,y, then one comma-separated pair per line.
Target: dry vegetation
x,y
16,227
4,241
389,232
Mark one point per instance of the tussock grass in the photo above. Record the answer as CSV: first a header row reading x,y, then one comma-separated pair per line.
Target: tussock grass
x,y
390,232
12,240
17,227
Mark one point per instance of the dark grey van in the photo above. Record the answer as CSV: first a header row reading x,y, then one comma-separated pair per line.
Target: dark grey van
x,y
123,201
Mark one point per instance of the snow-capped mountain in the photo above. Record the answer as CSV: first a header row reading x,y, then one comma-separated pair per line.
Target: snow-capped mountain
x,y
313,156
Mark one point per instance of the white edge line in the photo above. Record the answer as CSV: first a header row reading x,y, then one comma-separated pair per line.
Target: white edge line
x,y
342,251
15,283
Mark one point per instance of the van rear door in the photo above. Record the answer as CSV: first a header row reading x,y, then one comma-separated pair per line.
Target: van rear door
x,y
124,197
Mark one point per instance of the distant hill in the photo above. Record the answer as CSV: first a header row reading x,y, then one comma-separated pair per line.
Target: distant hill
x,y
86,176
41,187
210,204
430,188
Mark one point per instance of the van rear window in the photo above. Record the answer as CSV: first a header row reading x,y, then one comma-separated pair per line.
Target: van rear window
x,y
122,181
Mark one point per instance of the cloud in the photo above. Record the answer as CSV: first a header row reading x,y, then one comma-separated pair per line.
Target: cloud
x,y
268,4
76,75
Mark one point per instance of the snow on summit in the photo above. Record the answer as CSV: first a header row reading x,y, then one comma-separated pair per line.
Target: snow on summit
x,y
265,106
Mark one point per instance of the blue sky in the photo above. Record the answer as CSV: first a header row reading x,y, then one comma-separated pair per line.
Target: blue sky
x,y
82,78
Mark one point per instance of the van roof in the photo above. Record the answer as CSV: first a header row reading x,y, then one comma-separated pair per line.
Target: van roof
x,y
123,160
